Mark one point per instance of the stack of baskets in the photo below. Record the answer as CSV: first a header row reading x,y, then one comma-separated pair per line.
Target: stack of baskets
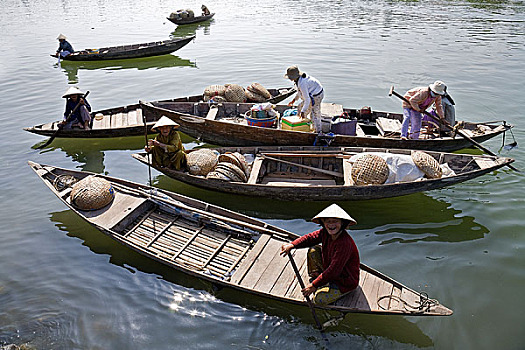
x,y
369,169
92,193
236,93
202,161
257,93
428,164
231,167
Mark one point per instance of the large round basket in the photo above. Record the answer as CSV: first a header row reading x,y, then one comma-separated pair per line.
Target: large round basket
x,y
254,97
235,93
369,169
202,161
258,89
237,159
233,171
428,164
92,193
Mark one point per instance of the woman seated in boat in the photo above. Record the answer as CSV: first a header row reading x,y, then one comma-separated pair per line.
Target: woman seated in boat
x,y
420,98
76,117
166,148
64,47
205,11
333,268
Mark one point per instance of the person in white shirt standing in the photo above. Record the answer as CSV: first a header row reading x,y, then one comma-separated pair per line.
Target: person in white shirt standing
x,y
311,92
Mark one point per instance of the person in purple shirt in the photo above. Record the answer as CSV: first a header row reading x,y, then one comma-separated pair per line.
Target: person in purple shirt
x,y
64,47
333,268
81,117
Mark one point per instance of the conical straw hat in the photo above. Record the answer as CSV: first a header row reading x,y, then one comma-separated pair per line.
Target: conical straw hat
x,y
164,121
61,37
334,211
73,90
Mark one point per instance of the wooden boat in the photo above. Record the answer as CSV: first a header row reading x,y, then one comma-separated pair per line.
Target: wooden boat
x,y
228,127
308,173
155,48
223,247
127,120
190,20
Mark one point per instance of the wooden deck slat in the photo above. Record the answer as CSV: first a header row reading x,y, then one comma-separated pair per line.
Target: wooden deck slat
x,y
362,301
121,206
256,168
188,243
382,288
116,120
262,263
273,272
98,124
132,118
252,255
287,277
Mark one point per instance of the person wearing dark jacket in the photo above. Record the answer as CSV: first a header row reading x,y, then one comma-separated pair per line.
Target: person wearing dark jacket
x,y
81,117
64,47
333,268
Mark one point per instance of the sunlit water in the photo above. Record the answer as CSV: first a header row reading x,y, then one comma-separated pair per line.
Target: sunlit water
x,y
63,285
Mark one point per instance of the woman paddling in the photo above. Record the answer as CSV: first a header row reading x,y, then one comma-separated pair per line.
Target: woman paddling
x,y
333,268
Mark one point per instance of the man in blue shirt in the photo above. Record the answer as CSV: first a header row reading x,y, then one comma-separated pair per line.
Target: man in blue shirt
x,y
81,117
64,48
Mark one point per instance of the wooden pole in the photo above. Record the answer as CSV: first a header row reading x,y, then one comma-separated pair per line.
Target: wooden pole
x,y
450,127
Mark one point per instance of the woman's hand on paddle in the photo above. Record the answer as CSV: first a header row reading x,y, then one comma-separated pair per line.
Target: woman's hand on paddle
x,y
286,248
308,290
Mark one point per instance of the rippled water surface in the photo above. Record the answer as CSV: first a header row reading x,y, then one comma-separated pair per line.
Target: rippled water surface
x,y
64,285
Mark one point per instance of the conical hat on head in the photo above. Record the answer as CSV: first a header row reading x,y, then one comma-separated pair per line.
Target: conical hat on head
x,y
164,121
73,90
334,211
61,37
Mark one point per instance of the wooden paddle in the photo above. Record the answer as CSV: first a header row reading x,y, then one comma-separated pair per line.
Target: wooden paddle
x,y
308,301
148,153
61,126
450,127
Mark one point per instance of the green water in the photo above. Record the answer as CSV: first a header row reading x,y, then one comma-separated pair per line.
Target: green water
x,y
63,285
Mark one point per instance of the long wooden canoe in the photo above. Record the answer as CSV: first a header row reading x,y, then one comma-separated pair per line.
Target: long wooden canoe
x,y
189,20
308,173
127,120
378,129
223,247
155,48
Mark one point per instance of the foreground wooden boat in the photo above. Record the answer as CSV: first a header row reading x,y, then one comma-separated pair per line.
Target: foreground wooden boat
x,y
155,48
307,173
228,127
224,247
127,120
189,20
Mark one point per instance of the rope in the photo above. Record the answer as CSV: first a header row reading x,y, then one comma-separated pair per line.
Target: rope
x,y
425,303
62,181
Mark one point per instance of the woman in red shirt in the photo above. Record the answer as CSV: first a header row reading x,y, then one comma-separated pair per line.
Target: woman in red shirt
x,y
334,268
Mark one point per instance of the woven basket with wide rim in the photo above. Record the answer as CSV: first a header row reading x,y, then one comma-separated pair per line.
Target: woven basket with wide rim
x,y
369,169
202,161
258,89
233,171
254,97
428,164
92,193
235,93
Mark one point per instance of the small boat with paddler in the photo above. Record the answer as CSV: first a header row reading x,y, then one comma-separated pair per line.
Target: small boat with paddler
x,y
217,245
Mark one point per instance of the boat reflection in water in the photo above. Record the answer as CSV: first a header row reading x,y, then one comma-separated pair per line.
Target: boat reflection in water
x,y
71,68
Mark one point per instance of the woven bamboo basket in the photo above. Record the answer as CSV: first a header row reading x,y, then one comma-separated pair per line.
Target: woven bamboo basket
x,y
235,93
254,97
92,193
235,173
202,161
237,159
428,164
369,169
258,89
217,175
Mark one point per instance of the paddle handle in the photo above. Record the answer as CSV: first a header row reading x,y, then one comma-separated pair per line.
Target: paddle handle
x,y
59,127
301,283
450,127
